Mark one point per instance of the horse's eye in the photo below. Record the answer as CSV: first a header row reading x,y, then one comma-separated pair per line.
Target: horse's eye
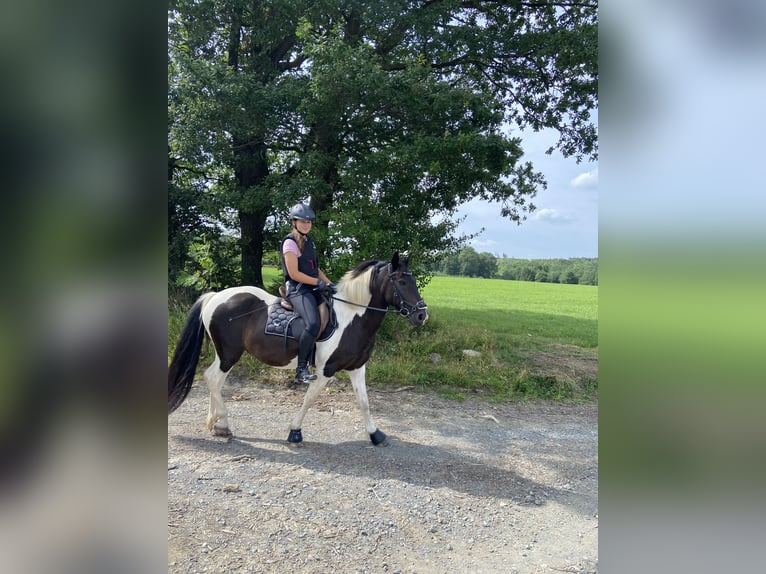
x,y
402,282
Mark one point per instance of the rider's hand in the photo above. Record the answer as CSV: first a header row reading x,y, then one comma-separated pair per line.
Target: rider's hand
x,y
332,288
321,286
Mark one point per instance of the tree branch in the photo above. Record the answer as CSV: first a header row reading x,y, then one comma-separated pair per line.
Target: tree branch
x,y
478,4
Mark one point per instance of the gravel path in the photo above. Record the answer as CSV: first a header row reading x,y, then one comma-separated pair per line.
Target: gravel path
x,y
461,487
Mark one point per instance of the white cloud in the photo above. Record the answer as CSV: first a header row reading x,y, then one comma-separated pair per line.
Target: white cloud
x,y
553,216
587,180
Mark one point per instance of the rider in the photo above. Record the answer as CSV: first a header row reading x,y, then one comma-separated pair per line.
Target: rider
x,y
305,283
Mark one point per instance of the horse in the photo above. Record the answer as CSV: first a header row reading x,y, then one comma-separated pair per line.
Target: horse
x,y
235,320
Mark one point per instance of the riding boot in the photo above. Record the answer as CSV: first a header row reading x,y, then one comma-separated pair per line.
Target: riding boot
x,y
305,347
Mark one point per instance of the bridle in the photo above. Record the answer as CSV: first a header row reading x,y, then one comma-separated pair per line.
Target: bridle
x,y
405,308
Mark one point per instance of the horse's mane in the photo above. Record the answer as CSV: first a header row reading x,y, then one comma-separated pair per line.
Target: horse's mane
x,y
355,285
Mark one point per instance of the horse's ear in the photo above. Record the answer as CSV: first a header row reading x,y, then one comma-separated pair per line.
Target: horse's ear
x,y
395,261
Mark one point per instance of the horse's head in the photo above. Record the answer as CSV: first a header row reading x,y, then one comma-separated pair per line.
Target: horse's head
x,y
402,291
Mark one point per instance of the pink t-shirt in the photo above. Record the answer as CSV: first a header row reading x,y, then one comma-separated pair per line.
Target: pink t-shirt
x,y
289,246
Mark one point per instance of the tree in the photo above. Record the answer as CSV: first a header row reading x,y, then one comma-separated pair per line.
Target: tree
x,y
451,264
527,274
590,275
386,116
508,273
470,262
488,265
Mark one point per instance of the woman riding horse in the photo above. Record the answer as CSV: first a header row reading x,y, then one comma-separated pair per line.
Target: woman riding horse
x,y
235,320
305,282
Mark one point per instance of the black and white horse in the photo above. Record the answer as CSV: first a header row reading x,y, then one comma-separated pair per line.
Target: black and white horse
x,y
235,320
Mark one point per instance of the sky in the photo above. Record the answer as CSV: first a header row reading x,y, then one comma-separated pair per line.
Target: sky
x,y
683,155
681,146
565,223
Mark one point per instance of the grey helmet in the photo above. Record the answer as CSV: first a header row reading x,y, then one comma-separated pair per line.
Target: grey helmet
x,y
302,212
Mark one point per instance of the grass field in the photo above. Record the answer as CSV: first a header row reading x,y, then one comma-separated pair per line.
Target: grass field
x,y
566,314
536,340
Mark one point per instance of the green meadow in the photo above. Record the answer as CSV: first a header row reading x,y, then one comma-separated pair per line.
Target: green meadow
x,y
534,341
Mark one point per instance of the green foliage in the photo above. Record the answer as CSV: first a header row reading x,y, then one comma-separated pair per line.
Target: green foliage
x,y
211,265
468,263
582,271
273,279
543,387
472,264
386,117
272,259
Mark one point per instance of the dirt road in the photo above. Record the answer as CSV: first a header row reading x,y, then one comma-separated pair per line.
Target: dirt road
x,y
461,487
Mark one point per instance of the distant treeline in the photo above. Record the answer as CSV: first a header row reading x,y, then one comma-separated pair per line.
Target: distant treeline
x,y
468,263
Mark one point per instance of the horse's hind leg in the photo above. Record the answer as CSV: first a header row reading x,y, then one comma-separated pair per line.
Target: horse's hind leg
x,y
360,388
217,418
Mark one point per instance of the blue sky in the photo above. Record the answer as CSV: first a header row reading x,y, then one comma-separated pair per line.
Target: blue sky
x,y
565,223
684,156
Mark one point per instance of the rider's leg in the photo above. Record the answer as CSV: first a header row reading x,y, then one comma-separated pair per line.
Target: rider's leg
x,y
304,303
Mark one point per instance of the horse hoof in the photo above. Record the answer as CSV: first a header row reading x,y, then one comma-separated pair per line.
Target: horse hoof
x,y
218,431
295,436
378,438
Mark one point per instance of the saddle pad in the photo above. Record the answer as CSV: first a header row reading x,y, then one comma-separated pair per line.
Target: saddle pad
x,y
279,322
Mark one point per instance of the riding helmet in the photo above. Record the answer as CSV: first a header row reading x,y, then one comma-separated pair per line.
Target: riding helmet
x,y
302,212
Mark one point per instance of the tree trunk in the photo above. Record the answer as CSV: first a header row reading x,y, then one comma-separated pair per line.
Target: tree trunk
x,y
251,169
327,140
251,227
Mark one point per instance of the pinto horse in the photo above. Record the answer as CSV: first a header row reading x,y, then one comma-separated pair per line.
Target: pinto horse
x,y
235,319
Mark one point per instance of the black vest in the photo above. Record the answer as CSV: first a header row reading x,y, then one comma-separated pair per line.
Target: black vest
x,y
307,262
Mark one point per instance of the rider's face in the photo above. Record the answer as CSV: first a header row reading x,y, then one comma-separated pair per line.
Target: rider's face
x,y
303,226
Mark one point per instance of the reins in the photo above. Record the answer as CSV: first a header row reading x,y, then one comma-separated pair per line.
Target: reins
x,y
387,310
334,298
404,311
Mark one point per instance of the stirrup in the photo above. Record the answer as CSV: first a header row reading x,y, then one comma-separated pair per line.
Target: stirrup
x,y
303,376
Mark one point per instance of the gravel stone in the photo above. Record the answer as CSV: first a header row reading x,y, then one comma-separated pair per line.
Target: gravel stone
x,y
455,490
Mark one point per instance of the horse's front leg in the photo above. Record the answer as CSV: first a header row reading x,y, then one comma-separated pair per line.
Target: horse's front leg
x,y
360,388
315,387
218,417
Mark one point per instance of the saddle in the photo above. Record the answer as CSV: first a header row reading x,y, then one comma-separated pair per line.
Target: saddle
x,y
281,316
285,302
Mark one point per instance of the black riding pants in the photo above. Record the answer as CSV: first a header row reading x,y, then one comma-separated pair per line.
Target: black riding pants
x,y
306,301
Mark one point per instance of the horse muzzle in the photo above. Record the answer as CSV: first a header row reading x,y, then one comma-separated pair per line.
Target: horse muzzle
x,y
417,315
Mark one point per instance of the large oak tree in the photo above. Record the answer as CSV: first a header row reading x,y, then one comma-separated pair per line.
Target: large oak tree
x,y
385,115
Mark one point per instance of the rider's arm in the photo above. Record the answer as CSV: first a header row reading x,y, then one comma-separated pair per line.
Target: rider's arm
x,y
291,263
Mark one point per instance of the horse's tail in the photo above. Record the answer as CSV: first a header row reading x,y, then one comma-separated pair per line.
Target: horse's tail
x,y
186,356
